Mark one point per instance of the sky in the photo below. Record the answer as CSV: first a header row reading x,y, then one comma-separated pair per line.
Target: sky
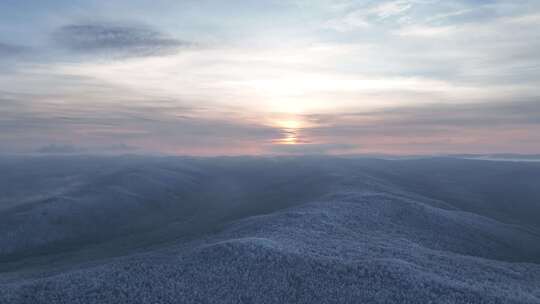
x,y
270,77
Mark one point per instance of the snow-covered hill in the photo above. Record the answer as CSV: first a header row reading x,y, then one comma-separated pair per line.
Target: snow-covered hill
x,y
268,230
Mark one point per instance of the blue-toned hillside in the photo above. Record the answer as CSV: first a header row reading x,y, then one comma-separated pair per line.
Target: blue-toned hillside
x,y
268,230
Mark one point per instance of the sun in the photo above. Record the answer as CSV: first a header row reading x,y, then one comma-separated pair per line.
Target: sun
x,y
290,139
290,129
289,124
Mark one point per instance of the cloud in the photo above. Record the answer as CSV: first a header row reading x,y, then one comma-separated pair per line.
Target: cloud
x,y
392,8
32,123
11,50
352,20
467,115
309,149
426,31
419,16
480,127
55,148
59,149
366,16
405,53
116,40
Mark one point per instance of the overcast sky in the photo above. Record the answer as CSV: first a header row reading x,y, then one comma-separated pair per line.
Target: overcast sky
x,y
259,77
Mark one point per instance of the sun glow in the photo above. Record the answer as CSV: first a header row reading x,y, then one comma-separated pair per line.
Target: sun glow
x,y
290,139
290,124
290,129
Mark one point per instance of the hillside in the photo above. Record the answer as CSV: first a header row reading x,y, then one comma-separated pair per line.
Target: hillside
x,y
268,230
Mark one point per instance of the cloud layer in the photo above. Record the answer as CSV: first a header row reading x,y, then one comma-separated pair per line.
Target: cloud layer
x,y
112,39
9,50
286,77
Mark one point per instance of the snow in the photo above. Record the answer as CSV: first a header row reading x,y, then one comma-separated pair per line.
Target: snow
x,y
268,230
